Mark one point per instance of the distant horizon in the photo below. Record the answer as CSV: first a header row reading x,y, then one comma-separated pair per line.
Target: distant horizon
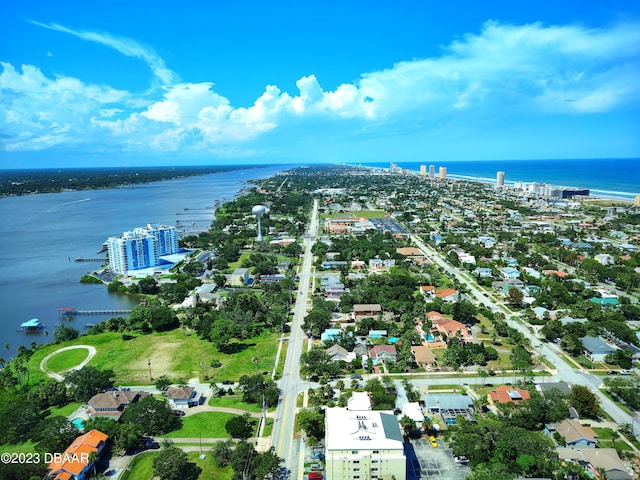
x,y
300,163
222,83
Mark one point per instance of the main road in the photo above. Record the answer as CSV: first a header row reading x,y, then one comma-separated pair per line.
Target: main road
x,y
565,372
291,383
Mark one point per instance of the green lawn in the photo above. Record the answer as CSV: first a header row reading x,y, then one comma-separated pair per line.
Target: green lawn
x,y
209,467
23,447
141,467
176,354
64,411
358,214
65,360
207,424
234,402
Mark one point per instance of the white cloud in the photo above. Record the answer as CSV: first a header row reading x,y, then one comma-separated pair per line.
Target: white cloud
x,y
126,46
530,70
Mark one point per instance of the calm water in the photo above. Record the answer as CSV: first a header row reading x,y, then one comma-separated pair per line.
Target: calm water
x,y
615,177
41,235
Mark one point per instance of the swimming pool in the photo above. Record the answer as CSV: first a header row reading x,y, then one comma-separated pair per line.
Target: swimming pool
x,y
78,423
428,337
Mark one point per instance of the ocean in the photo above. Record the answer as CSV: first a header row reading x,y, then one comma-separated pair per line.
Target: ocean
x,y
609,178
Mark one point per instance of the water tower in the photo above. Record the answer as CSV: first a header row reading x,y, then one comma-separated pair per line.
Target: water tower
x,y
259,211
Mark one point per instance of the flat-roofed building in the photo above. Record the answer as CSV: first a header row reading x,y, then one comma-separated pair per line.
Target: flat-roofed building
x,y
363,444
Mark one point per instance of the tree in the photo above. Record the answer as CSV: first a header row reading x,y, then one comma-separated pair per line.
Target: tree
x,y
64,333
240,426
256,389
311,421
55,434
128,437
88,381
584,401
515,296
173,464
408,425
222,453
153,415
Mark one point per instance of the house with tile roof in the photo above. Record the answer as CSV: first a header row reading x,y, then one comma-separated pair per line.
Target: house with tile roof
x,y
73,463
447,294
112,404
384,353
506,394
451,329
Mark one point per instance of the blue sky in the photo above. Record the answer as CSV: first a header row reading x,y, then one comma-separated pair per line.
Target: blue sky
x,y
224,82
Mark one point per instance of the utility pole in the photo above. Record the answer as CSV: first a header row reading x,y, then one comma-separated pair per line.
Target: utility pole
x,y
149,363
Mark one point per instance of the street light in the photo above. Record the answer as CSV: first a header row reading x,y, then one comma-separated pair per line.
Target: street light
x,y
149,363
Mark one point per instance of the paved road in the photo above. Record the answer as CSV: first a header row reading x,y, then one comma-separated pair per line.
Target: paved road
x,y
291,384
565,372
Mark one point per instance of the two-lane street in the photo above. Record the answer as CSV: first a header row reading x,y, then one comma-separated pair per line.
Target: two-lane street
x,y
291,384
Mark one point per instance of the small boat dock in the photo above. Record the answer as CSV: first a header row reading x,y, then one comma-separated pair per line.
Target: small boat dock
x,y
33,325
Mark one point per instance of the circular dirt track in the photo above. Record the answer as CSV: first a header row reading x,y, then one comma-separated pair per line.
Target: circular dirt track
x,y
57,376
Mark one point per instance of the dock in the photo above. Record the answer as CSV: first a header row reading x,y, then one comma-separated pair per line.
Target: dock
x,y
85,259
72,312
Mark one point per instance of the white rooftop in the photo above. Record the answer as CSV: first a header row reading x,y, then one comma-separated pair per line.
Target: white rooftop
x,y
366,430
359,401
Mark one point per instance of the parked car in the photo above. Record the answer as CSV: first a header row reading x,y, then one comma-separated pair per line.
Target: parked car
x,y
178,413
434,442
153,445
625,372
611,372
228,382
315,476
356,376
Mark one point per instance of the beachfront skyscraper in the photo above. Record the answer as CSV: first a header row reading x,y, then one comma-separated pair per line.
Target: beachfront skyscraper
x,y
442,173
432,171
637,202
423,170
141,247
500,179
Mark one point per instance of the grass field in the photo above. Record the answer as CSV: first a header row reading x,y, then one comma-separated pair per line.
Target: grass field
x,y
23,447
64,411
175,354
207,424
63,361
141,467
234,402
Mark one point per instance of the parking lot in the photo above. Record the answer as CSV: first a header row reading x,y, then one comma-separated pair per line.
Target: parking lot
x,y
426,462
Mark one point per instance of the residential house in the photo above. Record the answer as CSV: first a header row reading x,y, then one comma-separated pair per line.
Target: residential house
x,y
483,272
451,329
596,349
373,334
366,310
505,394
532,272
594,459
112,404
337,353
73,463
427,290
574,434
383,353
604,259
447,295
449,406
379,265
413,410
239,277
423,355
182,397
412,253
509,272
269,279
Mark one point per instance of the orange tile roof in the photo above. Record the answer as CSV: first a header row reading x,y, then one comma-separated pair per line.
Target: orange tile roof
x,y
501,394
445,292
79,451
